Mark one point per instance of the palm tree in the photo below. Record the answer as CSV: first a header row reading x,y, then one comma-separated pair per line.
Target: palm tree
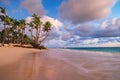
x,y
22,27
31,29
3,18
15,31
47,26
46,29
37,25
9,23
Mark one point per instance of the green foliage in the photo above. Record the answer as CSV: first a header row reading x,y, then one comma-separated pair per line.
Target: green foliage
x,y
27,39
22,24
47,26
0,37
2,10
14,30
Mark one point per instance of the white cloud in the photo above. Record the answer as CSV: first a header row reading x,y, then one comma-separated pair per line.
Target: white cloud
x,y
55,43
66,36
33,6
78,11
56,25
109,28
28,19
91,41
108,44
55,22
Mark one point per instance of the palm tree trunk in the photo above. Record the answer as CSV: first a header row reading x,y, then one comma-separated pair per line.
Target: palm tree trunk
x,y
37,36
44,38
22,39
5,34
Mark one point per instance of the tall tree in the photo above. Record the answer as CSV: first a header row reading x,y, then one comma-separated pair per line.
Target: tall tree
x,y
22,27
31,29
15,31
41,30
37,23
46,30
3,18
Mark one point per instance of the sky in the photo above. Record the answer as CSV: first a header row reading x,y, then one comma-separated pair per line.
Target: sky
x,y
76,23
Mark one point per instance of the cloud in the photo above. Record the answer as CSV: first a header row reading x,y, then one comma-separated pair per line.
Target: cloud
x,y
34,6
28,19
55,22
5,1
54,34
84,30
66,36
77,11
82,35
95,42
81,30
91,41
55,43
107,44
110,28
56,25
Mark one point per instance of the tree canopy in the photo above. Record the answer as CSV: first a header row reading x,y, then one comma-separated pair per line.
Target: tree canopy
x,y
14,30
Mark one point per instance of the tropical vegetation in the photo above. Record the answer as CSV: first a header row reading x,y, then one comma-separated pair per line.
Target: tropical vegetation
x,y
14,30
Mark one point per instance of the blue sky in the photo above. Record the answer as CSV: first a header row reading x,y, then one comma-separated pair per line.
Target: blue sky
x,y
76,22
13,7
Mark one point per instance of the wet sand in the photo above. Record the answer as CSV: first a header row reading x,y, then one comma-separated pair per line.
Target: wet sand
x,y
58,64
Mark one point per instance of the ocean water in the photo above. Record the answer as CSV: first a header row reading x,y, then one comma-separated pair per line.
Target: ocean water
x,y
101,49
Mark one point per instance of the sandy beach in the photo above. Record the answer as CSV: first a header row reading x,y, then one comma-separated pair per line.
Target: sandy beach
x,y
57,64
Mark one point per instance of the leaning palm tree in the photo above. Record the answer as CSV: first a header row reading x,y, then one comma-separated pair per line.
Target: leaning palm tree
x,y
46,30
31,29
37,23
22,27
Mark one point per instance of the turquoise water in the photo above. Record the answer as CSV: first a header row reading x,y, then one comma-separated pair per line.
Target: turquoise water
x,y
101,49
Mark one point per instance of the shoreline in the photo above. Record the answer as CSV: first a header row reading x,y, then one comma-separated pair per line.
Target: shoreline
x,y
98,49
58,64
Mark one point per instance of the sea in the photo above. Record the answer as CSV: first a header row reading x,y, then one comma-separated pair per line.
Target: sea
x,y
100,49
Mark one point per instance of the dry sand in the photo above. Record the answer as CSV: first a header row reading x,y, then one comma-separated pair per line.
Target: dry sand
x,y
57,64
12,54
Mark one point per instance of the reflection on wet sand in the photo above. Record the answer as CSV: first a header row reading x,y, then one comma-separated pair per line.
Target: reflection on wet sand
x,y
62,65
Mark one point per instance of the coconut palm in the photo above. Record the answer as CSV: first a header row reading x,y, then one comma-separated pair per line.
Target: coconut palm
x,y
22,27
3,18
15,31
31,28
37,23
46,30
47,26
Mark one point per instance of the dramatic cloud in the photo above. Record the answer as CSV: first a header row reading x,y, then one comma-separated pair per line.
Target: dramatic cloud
x,y
84,30
94,42
66,36
56,25
54,34
55,22
33,6
78,11
81,30
88,34
109,28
